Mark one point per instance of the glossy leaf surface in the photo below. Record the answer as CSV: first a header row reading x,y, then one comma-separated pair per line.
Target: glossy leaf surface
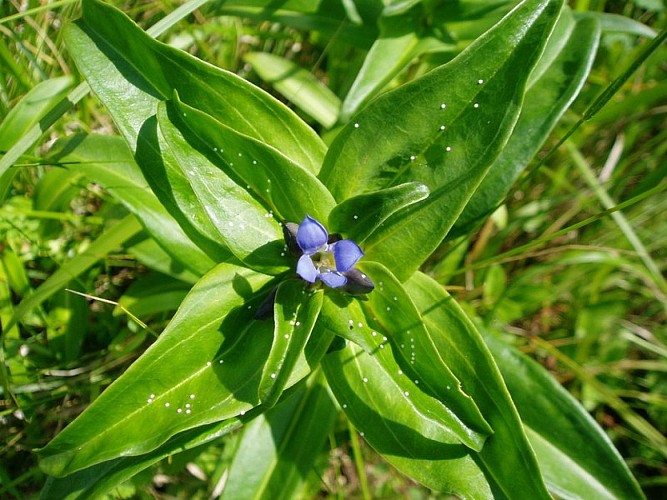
x,y
205,367
576,456
390,309
130,72
99,479
359,216
571,51
447,129
208,197
404,435
294,315
399,388
282,186
506,458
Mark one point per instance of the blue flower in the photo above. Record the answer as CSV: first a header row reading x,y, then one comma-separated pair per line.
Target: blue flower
x,y
330,262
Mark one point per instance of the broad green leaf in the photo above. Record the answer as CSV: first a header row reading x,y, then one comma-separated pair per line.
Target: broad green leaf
x,y
208,197
574,45
295,313
446,130
506,458
408,30
108,241
297,85
130,72
107,160
278,448
282,186
385,368
360,215
576,456
390,308
405,434
205,367
99,479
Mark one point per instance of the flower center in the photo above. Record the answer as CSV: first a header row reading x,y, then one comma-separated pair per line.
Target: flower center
x,y
324,259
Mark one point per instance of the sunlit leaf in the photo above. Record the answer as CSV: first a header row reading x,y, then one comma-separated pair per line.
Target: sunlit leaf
x,y
447,128
577,458
360,215
506,458
205,367
553,86
130,72
295,313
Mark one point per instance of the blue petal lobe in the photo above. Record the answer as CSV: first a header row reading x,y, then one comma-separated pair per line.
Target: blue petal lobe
x,y
306,269
311,235
333,279
346,253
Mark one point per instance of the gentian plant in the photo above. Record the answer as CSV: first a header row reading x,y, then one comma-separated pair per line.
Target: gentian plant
x,y
211,166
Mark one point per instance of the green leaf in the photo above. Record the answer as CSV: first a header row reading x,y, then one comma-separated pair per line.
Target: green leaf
x,y
389,309
576,456
360,215
506,458
278,448
99,479
447,129
282,186
205,367
391,52
561,76
402,429
614,23
108,241
208,197
295,313
385,368
130,72
297,85
153,293
149,253
108,161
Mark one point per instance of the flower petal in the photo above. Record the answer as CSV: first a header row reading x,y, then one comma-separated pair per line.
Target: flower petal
x,y
306,269
311,235
333,278
346,253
